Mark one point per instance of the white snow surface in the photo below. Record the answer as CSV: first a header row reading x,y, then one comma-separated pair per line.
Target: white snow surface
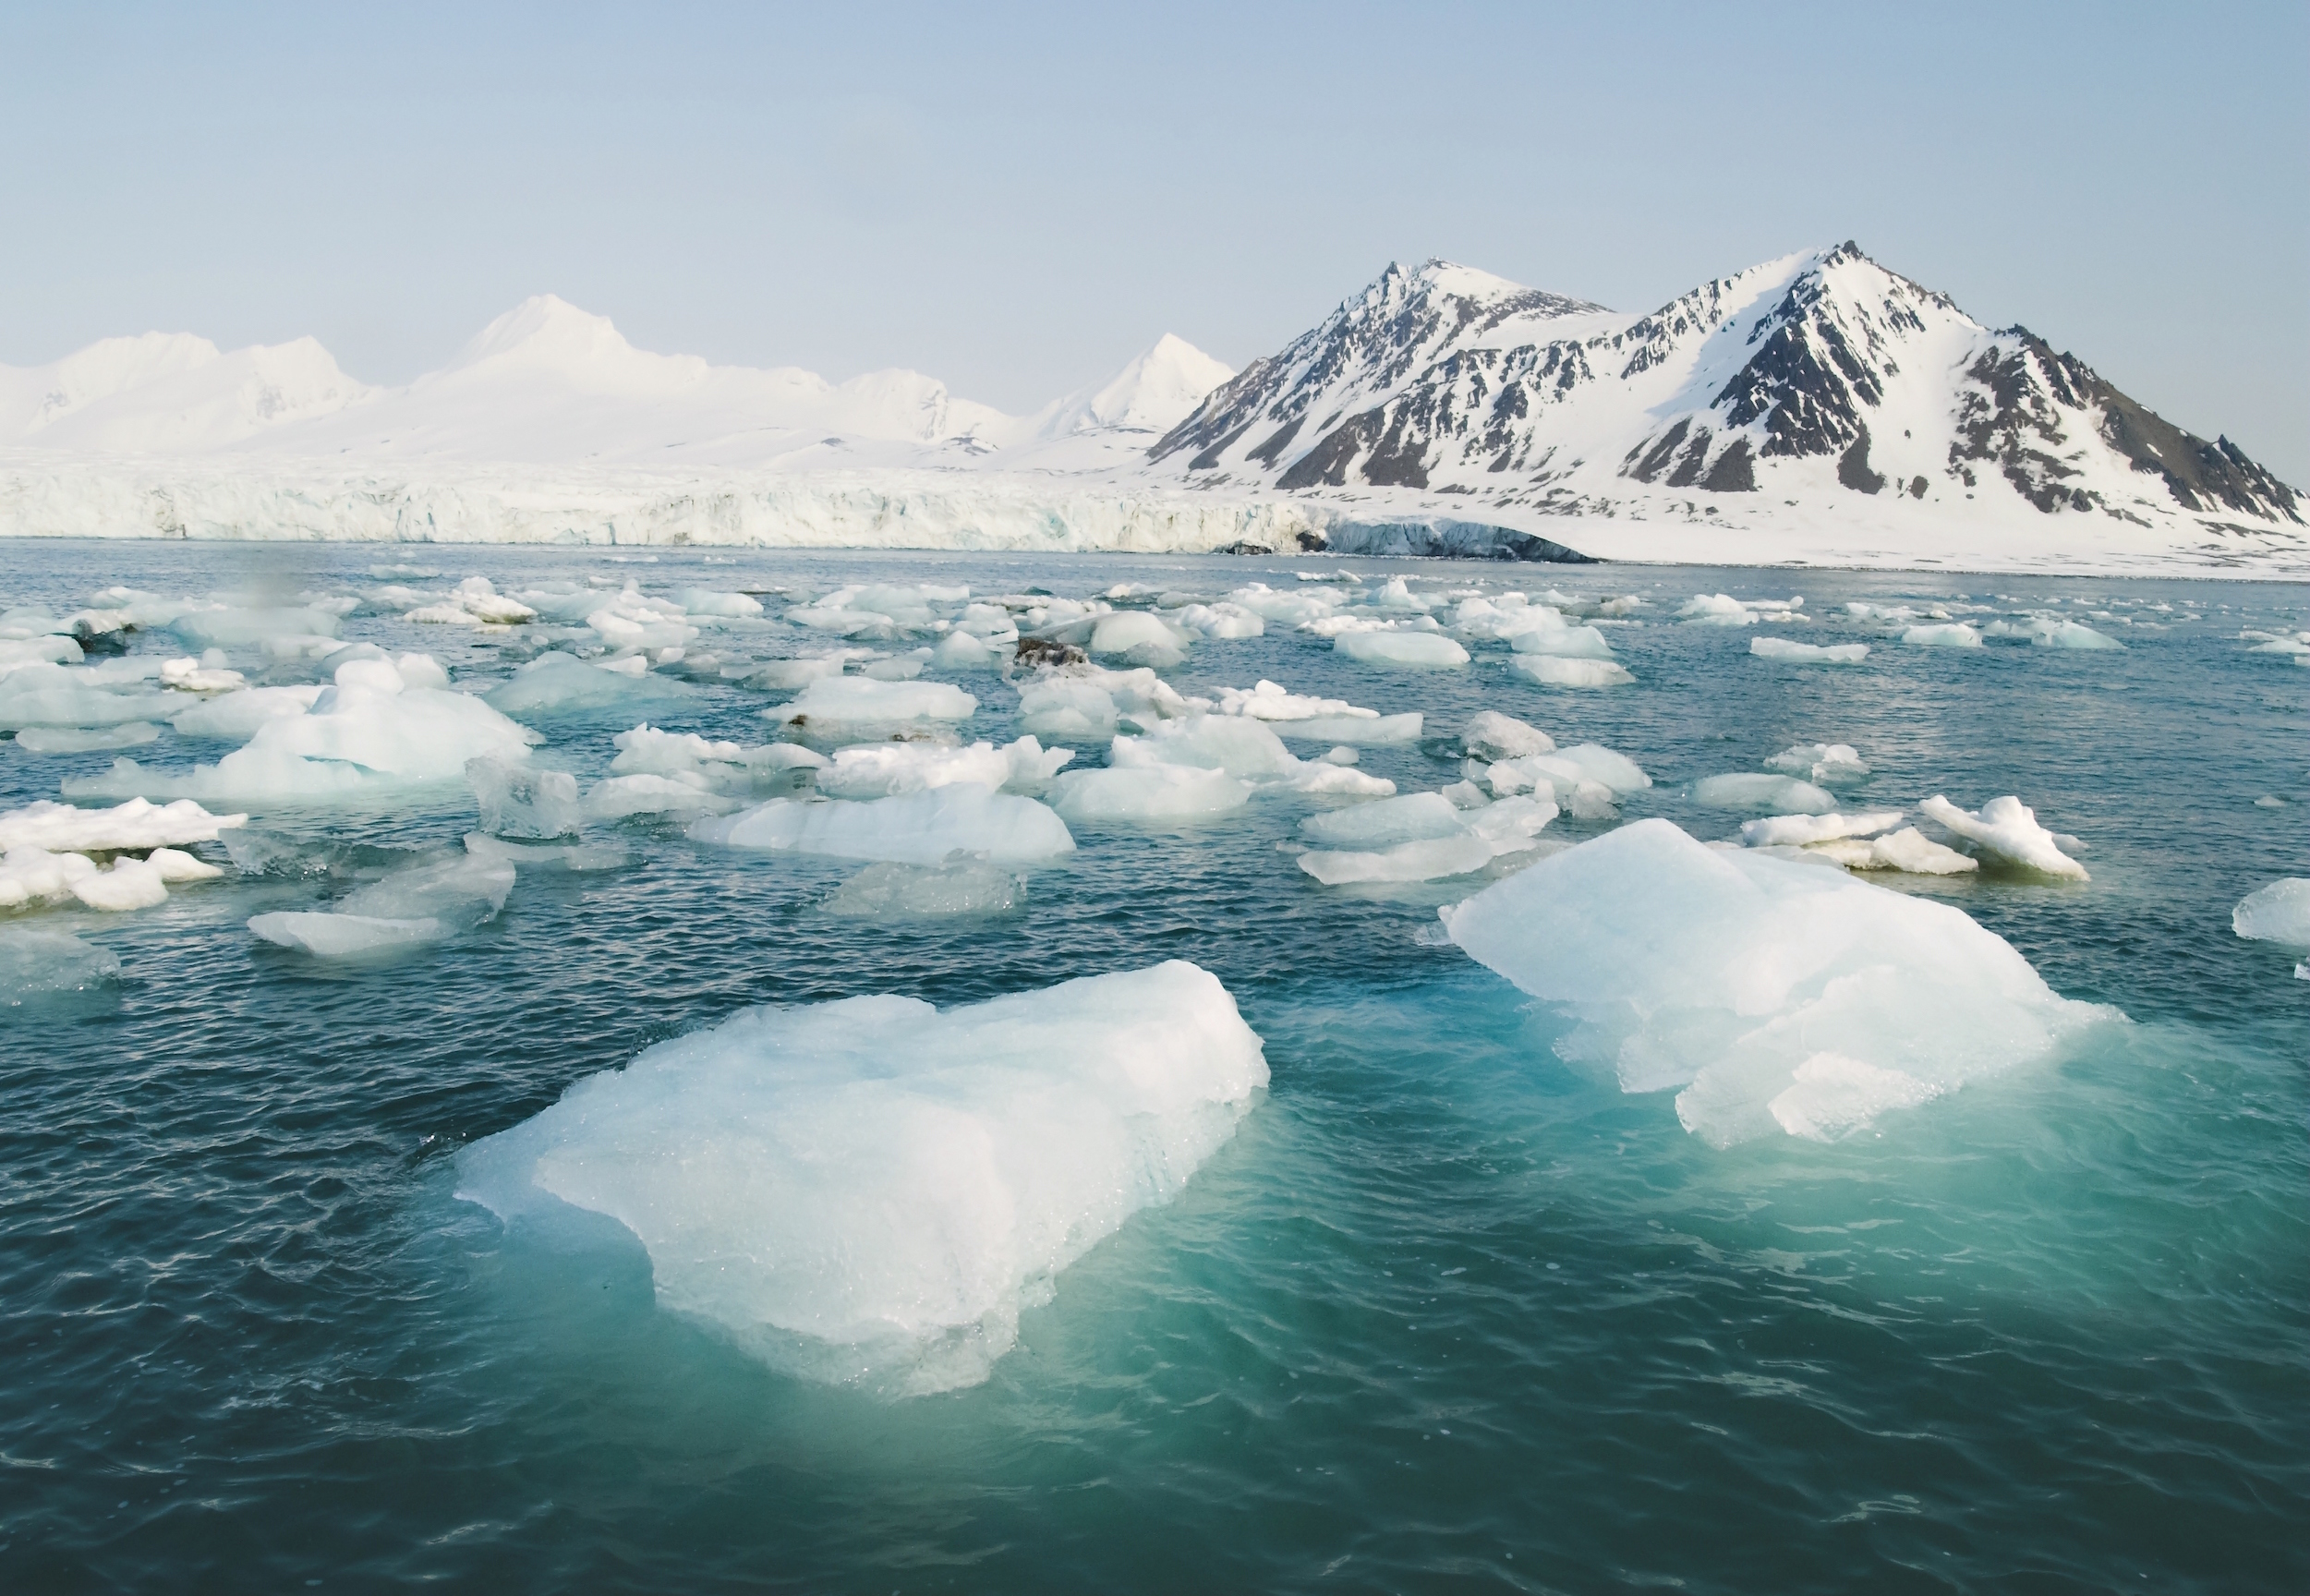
x,y
1773,996
870,1192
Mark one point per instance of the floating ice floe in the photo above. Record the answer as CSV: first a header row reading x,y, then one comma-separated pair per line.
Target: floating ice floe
x,y
235,717
32,874
2279,912
870,1192
47,649
1419,841
516,799
1154,793
2006,831
1779,794
1224,620
1415,650
579,857
133,827
1724,610
913,828
1550,670
76,740
885,769
1858,841
1140,639
1492,735
473,602
622,797
1588,779
420,904
369,734
2052,632
1777,996
1820,762
1790,650
35,963
41,694
720,606
1325,719
1945,635
232,626
832,702
559,684
886,891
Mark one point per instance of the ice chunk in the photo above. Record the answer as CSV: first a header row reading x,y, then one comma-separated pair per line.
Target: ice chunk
x,y
883,769
175,865
1492,735
1727,973
1789,649
913,828
727,605
1550,670
31,875
559,684
2277,913
56,695
235,717
1223,619
1140,637
1802,830
227,628
1553,637
836,701
34,963
573,856
620,797
1947,634
1239,747
869,1191
1415,816
887,891
1417,650
1068,707
68,740
517,800
959,650
2006,830
326,936
460,893
1270,701
1511,826
2052,632
1784,794
356,741
1907,850
40,650
904,667
130,884
1716,610
134,825
788,676
1820,762
1150,794
1378,732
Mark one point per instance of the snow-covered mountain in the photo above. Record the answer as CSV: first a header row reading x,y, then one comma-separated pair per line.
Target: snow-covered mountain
x,y
550,384
1817,408
1814,382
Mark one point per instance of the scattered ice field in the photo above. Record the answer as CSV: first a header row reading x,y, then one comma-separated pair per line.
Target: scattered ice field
x,y
675,1071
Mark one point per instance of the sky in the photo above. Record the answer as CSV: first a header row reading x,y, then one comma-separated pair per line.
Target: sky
x,y
1017,200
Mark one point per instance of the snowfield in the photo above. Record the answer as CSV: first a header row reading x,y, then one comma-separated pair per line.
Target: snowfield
x,y
1813,410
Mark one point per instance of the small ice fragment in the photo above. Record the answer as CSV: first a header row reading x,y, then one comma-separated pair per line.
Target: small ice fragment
x,y
133,825
1149,793
517,800
1802,830
34,963
1415,650
1949,635
913,828
1745,790
1550,670
1790,651
326,936
2007,830
1492,735
890,891
78,740
1820,762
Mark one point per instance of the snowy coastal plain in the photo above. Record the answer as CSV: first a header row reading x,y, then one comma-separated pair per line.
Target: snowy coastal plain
x,y
1814,410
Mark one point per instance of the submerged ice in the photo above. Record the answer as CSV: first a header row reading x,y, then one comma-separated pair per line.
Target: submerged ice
x,y
871,1192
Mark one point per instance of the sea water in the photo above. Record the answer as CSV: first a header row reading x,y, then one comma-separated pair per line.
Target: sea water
x,y
1446,1312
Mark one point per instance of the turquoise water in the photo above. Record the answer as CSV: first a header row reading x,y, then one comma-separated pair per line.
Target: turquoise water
x,y
1448,1313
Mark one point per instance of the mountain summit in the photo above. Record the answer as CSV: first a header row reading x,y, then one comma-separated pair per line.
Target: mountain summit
x,y
1811,379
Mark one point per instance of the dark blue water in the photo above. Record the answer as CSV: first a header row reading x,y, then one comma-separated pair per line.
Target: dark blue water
x,y
1447,1313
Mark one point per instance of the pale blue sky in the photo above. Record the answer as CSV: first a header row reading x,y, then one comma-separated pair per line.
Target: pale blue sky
x,y
1016,198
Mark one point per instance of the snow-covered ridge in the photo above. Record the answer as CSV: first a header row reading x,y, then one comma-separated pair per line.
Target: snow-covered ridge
x,y
1818,409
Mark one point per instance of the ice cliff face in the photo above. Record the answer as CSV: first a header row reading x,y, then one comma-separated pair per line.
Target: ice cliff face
x,y
1815,378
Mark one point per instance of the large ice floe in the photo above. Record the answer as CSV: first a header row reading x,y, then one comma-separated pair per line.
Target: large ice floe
x,y
923,827
418,904
370,733
2005,831
1771,995
870,1192
2279,912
